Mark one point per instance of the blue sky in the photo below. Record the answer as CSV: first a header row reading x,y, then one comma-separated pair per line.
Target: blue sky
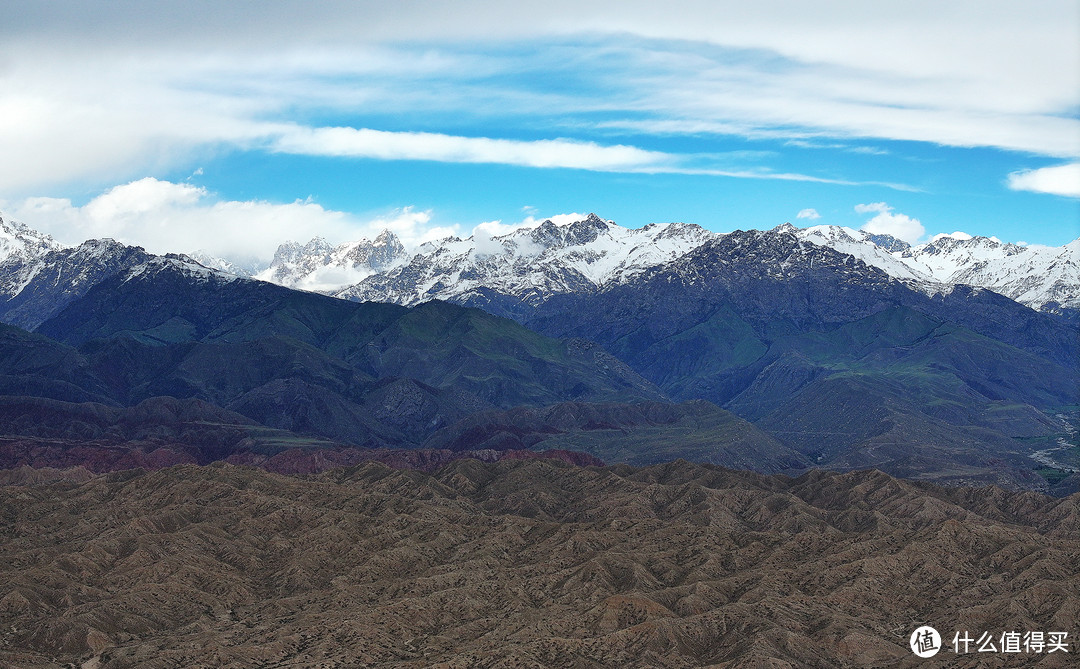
x,y
232,127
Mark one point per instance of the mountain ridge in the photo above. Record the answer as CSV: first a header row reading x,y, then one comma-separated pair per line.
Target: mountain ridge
x,y
593,253
530,264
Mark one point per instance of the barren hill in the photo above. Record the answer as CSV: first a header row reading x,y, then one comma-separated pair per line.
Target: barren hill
x,y
521,563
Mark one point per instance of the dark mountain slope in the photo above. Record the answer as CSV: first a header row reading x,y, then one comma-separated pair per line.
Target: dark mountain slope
x,y
441,345
934,364
636,434
157,432
171,299
358,373
758,286
498,360
159,417
51,282
710,323
31,364
303,407
858,422
753,320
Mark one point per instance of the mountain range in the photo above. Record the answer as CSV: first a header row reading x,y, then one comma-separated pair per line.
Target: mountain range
x,y
771,350
537,262
533,263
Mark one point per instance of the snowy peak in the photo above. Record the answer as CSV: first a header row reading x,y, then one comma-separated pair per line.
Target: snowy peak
x,y
40,277
577,233
179,264
246,270
36,289
383,252
972,248
874,250
19,242
291,253
531,263
1040,277
319,266
887,242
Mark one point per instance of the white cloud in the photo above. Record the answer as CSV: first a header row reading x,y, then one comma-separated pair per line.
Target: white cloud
x,y
557,219
959,235
413,227
498,228
141,197
164,217
811,214
885,222
380,144
95,92
878,207
1029,54
1057,180
484,243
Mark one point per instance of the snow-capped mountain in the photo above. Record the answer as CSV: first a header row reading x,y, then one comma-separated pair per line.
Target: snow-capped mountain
x,y
36,288
19,242
20,249
1041,277
244,269
318,266
530,264
181,265
874,250
514,272
39,276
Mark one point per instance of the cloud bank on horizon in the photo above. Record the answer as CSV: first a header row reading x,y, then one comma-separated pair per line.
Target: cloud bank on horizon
x,y
831,104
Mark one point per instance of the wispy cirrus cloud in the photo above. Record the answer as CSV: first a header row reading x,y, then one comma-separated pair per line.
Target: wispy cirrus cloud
x,y
344,142
546,153
91,91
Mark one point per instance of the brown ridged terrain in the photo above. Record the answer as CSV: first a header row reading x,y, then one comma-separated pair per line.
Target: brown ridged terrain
x,y
520,564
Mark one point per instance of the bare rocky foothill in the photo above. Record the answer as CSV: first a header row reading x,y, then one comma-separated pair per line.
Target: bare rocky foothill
x,y
521,563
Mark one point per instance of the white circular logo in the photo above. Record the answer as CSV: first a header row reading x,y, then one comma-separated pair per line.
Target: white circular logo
x,y
925,641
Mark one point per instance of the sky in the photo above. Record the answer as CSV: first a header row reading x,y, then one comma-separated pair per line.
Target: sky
x,y
232,127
